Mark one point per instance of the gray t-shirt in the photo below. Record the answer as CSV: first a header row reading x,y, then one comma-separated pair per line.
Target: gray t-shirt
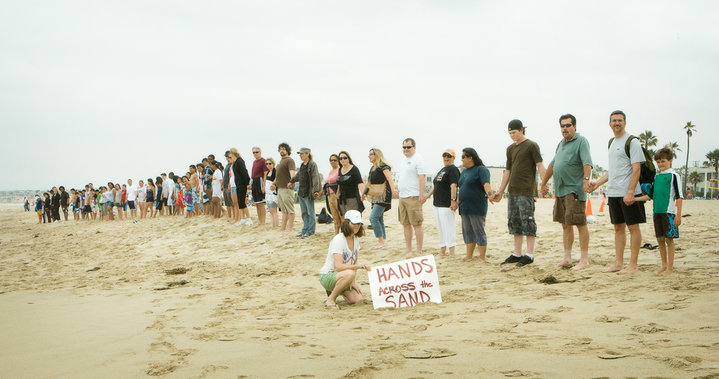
x,y
620,166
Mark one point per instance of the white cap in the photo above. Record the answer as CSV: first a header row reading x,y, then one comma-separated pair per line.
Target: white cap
x,y
354,216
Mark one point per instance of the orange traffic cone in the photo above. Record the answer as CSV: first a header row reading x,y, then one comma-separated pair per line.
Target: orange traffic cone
x,y
589,207
601,207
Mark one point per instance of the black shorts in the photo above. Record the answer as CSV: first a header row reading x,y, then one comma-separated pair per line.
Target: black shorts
x,y
87,209
131,205
242,197
620,213
257,195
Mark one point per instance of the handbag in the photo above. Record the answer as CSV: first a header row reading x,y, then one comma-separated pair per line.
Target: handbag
x,y
376,190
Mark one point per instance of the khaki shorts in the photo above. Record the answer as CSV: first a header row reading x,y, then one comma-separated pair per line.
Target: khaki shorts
x,y
569,210
410,211
286,200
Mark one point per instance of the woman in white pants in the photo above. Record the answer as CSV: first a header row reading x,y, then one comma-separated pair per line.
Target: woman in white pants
x,y
444,199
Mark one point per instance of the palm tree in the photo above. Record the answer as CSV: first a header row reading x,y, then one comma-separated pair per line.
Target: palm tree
x,y
690,128
713,161
648,139
694,179
675,147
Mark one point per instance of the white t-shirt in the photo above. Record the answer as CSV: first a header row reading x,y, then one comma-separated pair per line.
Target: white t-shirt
x,y
620,166
338,245
217,184
409,172
166,186
131,193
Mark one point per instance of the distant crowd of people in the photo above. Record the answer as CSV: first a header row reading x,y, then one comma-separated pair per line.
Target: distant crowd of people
x,y
213,188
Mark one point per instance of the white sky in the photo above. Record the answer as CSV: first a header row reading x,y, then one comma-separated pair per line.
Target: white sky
x,y
95,91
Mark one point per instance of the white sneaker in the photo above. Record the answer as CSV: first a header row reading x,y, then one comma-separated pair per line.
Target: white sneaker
x,y
240,223
248,221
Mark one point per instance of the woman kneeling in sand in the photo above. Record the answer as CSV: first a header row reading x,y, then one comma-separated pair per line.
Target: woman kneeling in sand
x,y
338,274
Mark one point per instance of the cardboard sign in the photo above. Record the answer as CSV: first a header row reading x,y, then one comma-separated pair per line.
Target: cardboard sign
x,y
405,283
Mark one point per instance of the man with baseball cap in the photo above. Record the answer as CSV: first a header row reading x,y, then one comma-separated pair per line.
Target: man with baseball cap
x,y
523,161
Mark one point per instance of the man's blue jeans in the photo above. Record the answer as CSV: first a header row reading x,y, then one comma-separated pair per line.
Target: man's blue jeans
x,y
307,206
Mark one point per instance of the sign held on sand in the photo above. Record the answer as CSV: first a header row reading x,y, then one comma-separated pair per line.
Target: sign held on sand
x,y
405,283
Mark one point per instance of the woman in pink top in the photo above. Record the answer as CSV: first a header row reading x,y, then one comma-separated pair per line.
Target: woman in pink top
x,y
330,189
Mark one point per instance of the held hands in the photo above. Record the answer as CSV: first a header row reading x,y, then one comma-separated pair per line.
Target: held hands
x,y
591,186
316,195
364,196
395,194
422,198
273,187
545,189
629,199
454,205
290,185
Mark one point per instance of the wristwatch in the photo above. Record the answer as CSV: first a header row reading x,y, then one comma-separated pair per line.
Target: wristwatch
x,y
586,178
455,199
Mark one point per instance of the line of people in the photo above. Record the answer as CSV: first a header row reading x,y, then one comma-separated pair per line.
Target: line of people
x,y
212,188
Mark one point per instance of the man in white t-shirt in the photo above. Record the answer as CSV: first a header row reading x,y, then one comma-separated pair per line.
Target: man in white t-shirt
x,y
623,186
132,198
410,191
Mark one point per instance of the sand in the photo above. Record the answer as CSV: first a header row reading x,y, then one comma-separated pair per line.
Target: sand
x,y
89,299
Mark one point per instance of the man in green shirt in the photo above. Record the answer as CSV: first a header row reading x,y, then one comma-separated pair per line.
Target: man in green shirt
x,y
572,169
523,162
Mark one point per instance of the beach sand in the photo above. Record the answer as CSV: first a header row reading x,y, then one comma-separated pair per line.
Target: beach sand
x,y
90,299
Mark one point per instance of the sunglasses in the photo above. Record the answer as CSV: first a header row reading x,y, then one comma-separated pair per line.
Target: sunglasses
x,y
343,158
333,160
465,156
565,125
447,155
255,152
407,147
268,164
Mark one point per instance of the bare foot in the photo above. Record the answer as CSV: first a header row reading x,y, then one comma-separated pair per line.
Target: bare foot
x,y
614,268
661,270
628,270
466,259
481,260
668,271
564,263
580,265
331,304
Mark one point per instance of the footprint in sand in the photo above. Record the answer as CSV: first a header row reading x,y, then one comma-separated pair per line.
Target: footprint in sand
x,y
610,319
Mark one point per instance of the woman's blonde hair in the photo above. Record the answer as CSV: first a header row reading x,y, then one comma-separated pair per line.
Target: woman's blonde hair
x,y
234,152
379,160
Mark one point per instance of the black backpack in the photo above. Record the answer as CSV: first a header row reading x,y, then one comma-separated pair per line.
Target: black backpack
x,y
648,170
324,217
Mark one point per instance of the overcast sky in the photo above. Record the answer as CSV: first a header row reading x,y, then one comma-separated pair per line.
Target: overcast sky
x,y
95,91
